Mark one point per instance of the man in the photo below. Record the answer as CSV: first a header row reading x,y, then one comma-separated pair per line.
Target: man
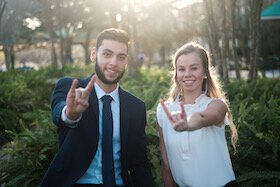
x,y
82,116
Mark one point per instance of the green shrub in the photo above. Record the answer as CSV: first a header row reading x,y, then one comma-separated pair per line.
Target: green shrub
x,y
24,160
148,83
255,108
13,102
21,92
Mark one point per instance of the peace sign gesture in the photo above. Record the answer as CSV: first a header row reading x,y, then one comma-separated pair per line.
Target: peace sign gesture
x,y
178,119
77,99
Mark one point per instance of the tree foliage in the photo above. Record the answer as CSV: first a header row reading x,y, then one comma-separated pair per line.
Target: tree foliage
x,y
230,29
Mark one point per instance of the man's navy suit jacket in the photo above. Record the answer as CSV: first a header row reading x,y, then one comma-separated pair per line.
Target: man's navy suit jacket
x,y
77,146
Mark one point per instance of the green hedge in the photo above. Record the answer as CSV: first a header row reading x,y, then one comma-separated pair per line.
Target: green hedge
x,y
28,137
255,107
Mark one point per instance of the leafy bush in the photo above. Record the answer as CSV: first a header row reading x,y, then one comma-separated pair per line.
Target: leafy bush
x,y
255,107
148,83
25,159
21,92
25,114
13,101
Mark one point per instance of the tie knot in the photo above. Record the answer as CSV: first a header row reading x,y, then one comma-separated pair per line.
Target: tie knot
x,y
106,99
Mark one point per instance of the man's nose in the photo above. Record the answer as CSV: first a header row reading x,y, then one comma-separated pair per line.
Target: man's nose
x,y
114,60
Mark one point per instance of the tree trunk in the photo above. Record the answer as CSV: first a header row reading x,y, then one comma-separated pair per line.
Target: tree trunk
x,y
53,54
213,31
61,38
52,38
68,50
49,26
211,46
163,54
2,8
254,38
113,12
9,57
134,49
224,51
86,46
233,36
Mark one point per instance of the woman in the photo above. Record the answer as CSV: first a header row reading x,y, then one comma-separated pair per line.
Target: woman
x,y
192,124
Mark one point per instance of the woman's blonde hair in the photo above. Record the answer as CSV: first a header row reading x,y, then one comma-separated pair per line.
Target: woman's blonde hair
x,y
211,85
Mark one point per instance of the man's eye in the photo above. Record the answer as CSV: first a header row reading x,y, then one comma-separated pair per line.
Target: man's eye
x,y
122,57
106,54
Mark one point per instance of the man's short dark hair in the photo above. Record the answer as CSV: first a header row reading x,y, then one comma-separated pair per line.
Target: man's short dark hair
x,y
112,34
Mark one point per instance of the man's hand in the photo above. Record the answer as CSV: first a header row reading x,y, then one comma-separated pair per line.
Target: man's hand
x,y
77,99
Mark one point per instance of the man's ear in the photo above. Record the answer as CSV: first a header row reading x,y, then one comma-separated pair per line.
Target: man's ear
x,y
93,54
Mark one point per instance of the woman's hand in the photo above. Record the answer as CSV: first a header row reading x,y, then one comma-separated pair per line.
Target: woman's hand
x,y
213,115
178,119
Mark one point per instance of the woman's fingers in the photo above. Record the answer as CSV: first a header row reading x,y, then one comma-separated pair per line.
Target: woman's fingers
x,y
184,116
172,116
166,110
183,113
178,119
180,126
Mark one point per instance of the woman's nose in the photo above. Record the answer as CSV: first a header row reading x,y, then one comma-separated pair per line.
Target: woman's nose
x,y
187,72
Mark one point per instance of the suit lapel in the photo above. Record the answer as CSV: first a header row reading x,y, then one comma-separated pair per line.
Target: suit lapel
x,y
124,120
93,101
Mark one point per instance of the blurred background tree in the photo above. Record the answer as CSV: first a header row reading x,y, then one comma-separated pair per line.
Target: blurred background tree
x,y
232,30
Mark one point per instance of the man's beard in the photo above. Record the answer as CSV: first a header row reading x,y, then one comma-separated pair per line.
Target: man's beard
x,y
102,77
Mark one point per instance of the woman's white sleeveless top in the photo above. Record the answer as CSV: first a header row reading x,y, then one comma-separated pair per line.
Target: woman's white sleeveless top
x,y
197,158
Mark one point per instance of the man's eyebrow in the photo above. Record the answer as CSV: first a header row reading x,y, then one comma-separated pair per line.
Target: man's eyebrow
x,y
123,54
110,51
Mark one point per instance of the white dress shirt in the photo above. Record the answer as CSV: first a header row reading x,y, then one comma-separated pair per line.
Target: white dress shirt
x,y
93,175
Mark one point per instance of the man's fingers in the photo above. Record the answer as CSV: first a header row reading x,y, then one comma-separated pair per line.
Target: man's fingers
x,y
82,102
90,84
74,85
78,93
166,110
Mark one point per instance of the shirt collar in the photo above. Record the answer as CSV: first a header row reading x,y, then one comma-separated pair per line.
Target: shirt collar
x,y
100,93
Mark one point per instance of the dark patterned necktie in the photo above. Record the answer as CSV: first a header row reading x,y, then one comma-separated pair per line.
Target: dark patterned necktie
x,y
107,143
